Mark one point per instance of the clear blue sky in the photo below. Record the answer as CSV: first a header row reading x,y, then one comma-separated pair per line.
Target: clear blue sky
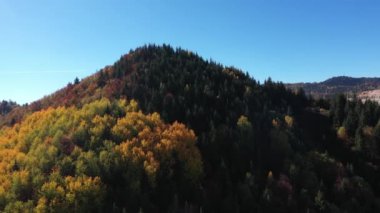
x,y
46,44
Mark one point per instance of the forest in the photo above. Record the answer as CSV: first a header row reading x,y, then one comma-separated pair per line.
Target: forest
x,y
164,130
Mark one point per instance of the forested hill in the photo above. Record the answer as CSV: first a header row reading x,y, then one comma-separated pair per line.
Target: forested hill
x,y
336,85
165,79
163,130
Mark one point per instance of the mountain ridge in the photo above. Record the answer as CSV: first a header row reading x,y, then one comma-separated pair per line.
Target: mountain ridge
x,y
351,86
111,81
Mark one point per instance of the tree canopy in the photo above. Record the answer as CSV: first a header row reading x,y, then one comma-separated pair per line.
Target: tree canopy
x,y
70,159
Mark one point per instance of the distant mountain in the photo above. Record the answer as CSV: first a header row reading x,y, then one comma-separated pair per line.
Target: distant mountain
x,y
336,85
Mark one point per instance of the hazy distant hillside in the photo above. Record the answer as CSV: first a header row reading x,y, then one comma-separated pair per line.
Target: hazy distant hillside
x,y
373,95
336,85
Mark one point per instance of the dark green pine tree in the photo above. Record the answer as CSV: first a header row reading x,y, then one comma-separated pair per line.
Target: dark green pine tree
x,y
351,121
337,110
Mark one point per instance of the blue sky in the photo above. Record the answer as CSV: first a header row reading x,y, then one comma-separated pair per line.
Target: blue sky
x,y
44,44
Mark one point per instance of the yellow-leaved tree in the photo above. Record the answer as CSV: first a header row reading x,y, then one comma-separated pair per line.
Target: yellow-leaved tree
x,y
105,154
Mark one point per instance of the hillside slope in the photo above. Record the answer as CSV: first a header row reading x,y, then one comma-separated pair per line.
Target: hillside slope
x,y
241,147
373,95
